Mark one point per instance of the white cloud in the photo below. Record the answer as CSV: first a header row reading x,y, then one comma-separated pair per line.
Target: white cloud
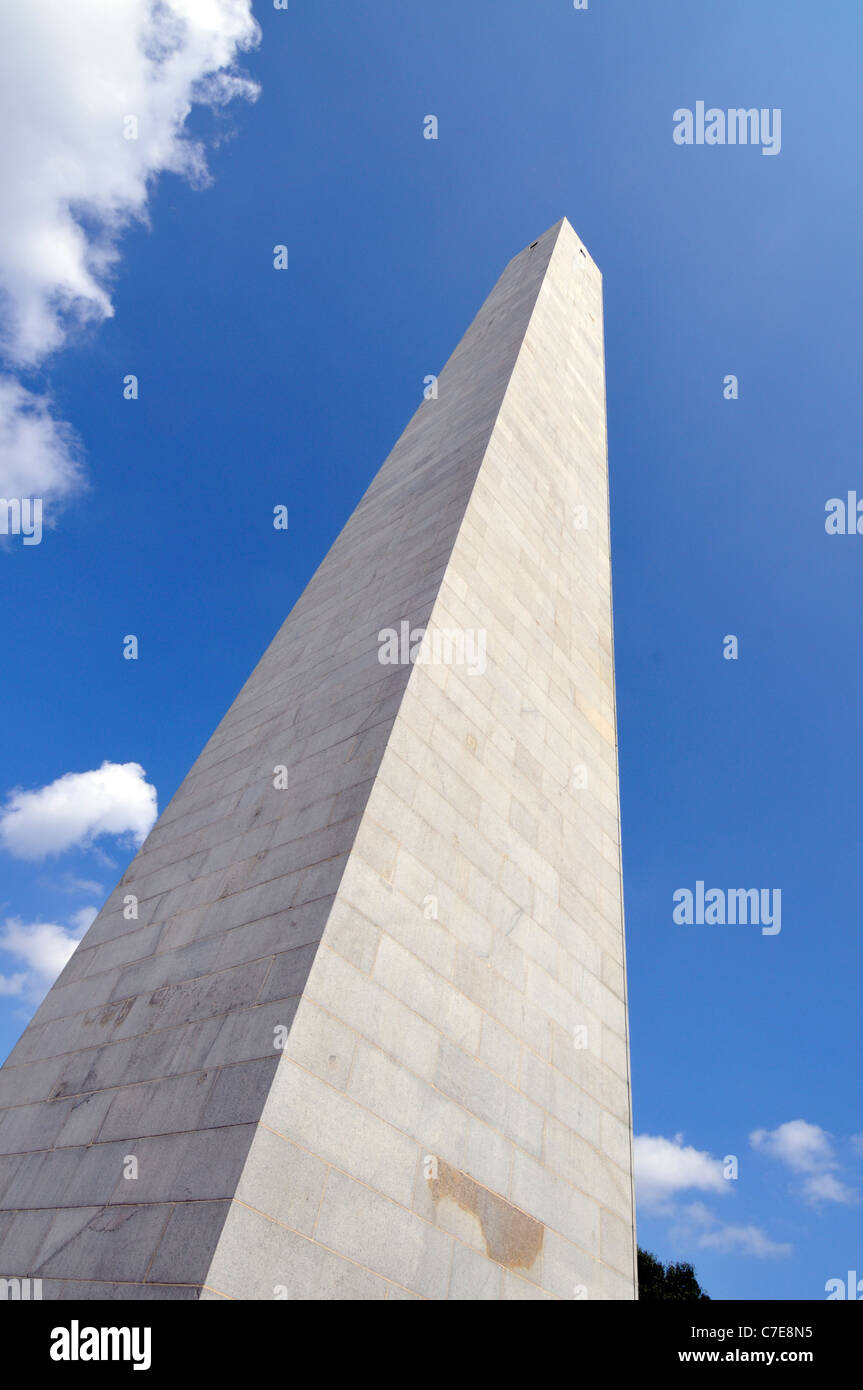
x,y
806,1148
70,76
71,884
698,1224
116,799
664,1167
826,1187
801,1146
83,918
742,1240
44,947
39,456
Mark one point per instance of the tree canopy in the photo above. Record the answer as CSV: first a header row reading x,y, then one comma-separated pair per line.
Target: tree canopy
x,y
667,1283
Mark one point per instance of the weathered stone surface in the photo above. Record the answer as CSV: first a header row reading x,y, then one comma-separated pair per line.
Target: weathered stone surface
x,y
367,1036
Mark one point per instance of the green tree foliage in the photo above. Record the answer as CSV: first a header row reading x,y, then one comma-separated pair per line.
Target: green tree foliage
x,y
667,1283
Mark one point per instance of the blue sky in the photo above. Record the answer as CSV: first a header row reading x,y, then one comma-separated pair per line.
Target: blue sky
x,y
259,387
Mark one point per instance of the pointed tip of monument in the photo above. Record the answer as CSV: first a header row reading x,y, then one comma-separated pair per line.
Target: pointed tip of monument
x,y
564,227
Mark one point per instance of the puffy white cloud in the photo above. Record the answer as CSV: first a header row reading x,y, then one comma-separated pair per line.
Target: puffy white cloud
x,y
115,799
39,456
75,81
664,1167
44,947
805,1148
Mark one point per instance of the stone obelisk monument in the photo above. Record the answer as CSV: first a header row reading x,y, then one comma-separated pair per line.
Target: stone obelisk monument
x,y
354,1024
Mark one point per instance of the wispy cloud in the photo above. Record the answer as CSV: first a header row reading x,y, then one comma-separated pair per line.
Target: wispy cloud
x,y
826,1187
697,1225
71,884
